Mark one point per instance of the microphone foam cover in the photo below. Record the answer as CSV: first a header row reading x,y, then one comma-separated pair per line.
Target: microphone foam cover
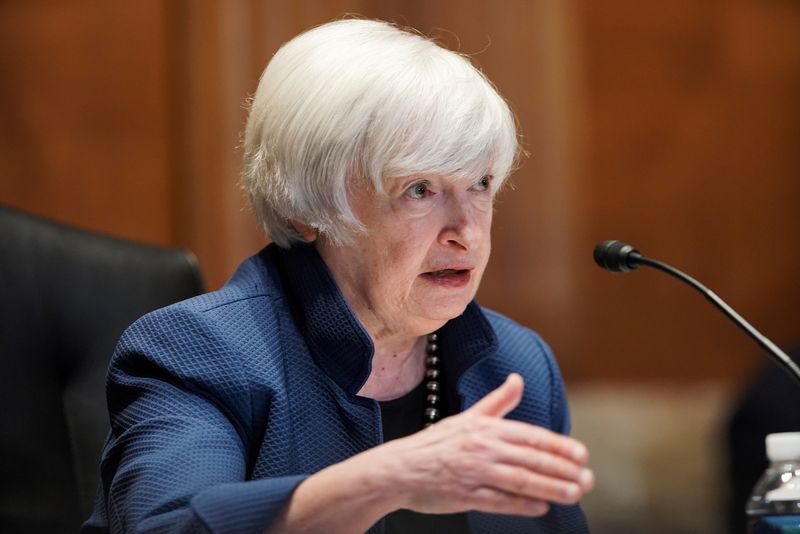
x,y
614,256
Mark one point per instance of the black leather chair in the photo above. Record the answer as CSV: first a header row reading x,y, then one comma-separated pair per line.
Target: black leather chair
x,y
66,295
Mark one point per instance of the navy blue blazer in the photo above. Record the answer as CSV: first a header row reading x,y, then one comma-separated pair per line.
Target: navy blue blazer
x,y
222,404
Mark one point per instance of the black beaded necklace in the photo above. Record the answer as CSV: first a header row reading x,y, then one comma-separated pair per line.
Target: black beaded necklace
x,y
432,382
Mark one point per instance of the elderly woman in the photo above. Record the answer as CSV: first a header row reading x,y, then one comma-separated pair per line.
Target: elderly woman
x,y
344,379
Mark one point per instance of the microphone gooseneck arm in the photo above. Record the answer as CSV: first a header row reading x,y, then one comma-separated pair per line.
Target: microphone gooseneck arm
x,y
618,253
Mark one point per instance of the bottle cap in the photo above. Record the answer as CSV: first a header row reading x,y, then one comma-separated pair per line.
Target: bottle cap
x,y
783,446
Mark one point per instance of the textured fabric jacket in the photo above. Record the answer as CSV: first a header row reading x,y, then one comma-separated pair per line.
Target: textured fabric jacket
x,y
222,404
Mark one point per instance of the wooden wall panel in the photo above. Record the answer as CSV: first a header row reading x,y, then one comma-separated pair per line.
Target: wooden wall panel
x,y
83,115
212,47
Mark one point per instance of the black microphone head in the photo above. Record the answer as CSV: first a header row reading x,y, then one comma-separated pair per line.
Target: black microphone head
x,y
616,256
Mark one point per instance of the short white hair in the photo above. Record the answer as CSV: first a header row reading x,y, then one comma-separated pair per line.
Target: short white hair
x,y
365,99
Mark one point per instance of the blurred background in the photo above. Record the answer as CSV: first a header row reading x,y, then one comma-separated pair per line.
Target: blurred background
x,y
672,125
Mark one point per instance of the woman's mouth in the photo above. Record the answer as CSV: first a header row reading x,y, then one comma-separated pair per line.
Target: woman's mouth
x,y
454,278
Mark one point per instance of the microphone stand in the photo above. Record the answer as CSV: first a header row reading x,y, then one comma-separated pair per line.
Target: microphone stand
x,y
781,357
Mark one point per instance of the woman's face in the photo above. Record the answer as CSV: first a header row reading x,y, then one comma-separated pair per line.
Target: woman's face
x,y
421,260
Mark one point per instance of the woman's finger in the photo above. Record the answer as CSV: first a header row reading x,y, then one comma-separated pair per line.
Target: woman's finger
x,y
502,400
535,437
496,501
525,483
537,461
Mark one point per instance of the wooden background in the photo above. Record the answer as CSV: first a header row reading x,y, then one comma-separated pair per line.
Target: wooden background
x,y
674,125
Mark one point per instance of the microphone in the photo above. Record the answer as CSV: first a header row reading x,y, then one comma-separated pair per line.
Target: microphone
x,y
617,256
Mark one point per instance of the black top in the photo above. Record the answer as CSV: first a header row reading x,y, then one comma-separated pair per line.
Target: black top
x,y
401,417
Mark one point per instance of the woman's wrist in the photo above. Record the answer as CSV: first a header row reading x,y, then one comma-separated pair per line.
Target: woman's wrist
x,y
349,496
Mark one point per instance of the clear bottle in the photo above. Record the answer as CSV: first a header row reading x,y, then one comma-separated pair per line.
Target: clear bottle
x,y
774,504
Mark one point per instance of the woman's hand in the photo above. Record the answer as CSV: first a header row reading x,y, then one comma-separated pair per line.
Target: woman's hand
x,y
477,460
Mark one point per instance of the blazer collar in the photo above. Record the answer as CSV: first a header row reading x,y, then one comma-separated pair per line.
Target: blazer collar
x,y
340,344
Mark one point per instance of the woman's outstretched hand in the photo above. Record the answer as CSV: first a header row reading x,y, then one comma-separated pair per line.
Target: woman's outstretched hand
x,y
477,460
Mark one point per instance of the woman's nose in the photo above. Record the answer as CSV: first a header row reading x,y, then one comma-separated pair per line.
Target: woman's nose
x,y
463,226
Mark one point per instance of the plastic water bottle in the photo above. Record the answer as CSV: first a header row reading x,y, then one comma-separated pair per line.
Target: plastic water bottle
x,y
774,505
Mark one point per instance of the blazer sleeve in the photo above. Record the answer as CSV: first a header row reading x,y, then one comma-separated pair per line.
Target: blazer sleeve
x,y
182,433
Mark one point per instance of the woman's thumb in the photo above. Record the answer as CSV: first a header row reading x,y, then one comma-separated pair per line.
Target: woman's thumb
x,y
503,399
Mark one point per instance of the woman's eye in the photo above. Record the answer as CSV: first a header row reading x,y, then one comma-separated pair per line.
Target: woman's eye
x,y
484,183
418,190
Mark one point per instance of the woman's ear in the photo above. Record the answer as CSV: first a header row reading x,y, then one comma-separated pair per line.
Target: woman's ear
x,y
308,233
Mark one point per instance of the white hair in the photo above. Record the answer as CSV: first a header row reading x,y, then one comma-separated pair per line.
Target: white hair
x,y
365,99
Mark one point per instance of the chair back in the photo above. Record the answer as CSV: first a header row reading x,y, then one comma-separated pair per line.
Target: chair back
x,y
66,295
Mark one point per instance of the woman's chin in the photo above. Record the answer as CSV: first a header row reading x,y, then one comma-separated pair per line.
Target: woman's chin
x,y
440,312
